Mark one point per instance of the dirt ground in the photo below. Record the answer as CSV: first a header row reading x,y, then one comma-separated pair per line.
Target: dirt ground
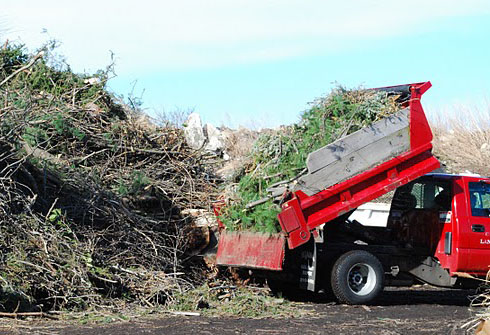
x,y
424,310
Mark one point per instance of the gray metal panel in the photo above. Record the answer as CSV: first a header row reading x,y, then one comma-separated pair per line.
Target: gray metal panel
x,y
334,151
448,239
356,153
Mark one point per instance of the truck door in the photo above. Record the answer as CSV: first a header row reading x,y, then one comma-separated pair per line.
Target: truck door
x,y
419,212
478,234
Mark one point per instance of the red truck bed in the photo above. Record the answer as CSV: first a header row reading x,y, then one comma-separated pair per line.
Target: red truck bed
x,y
302,214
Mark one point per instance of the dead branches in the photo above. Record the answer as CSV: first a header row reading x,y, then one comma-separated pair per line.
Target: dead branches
x,y
88,192
23,68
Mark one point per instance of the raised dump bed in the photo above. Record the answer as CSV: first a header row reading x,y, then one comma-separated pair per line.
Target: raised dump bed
x,y
342,176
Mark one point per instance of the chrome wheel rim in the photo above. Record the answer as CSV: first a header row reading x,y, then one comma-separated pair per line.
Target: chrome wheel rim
x,y
361,279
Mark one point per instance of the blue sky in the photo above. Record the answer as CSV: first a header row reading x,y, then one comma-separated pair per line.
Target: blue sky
x,y
258,63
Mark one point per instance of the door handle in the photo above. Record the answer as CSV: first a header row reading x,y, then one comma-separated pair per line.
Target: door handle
x,y
478,228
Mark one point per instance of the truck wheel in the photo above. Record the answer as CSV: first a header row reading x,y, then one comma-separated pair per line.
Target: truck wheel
x,y
357,277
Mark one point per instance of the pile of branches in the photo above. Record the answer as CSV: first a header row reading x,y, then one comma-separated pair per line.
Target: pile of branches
x,y
93,194
280,156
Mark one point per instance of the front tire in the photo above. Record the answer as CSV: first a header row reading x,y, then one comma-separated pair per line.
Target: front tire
x,y
357,277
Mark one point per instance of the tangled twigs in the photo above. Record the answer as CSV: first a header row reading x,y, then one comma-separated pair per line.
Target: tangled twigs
x,y
90,187
23,68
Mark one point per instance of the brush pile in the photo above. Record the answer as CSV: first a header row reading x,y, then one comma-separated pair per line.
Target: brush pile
x,y
94,195
281,155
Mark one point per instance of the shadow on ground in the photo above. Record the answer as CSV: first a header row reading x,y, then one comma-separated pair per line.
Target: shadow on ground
x,y
393,296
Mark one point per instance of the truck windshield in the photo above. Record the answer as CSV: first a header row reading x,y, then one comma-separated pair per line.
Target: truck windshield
x,y
480,199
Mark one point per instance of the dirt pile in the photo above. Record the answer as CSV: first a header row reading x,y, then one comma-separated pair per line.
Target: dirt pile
x,y
93,194
281,154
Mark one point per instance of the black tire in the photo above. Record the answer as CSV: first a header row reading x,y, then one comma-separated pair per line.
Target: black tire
x,y
357,278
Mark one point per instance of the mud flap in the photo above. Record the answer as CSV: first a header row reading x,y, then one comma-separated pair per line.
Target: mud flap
x,y
309,264
308,269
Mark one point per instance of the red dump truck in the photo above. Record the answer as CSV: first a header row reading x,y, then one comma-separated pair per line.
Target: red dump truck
x,y
438,229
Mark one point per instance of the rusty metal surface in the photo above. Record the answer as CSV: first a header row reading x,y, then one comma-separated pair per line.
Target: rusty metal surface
x,y
251,250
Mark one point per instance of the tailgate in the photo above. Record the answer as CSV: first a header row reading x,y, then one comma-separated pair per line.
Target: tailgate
x,y
251,250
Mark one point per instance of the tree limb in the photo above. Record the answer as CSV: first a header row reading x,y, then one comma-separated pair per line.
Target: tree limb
x,y
25,67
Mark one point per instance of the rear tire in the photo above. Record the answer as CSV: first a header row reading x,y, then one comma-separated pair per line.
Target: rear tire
x,y
357,277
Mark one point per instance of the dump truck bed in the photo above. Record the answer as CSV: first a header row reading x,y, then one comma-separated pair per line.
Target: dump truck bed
x,y
342,176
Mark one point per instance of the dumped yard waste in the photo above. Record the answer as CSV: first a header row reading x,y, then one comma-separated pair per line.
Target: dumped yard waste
x,y
93,195
279,157
100,205
238,301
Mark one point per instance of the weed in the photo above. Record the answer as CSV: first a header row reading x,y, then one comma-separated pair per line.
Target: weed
x,y
35,136
12,56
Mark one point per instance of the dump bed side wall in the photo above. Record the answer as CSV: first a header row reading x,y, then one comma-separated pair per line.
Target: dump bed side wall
x,y
301,215
357,152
